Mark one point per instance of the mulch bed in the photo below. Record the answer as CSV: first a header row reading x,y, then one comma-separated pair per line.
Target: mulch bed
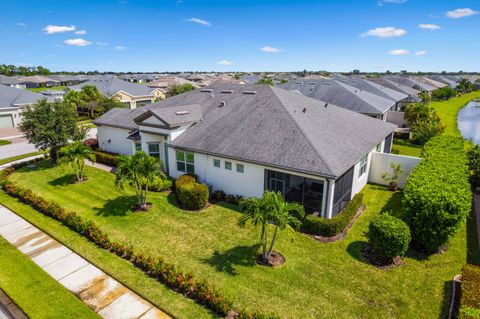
x,y
380,261
343,233
276,259
145,208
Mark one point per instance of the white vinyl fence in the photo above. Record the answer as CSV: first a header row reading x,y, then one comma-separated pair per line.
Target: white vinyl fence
x,y
381,163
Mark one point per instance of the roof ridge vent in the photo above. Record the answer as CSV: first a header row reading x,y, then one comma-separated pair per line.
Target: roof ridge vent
x,y
313,83
182,112
226,91
250,92
206,90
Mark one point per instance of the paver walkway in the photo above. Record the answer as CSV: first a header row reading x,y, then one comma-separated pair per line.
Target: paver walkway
x,y
106,296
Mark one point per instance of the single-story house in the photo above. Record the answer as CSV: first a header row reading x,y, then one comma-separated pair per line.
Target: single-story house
x,y
11,81
245,139
343,95
12,101
131,94
56,95
36,81
413,95
413,83
166,83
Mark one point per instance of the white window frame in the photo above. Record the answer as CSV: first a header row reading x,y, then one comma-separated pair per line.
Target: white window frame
x,y
363,166
188,166
154,154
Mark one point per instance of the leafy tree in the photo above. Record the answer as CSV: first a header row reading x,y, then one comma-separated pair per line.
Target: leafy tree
x,y
182,88
465,86
139,171
474,164
265,81
443,94
108,103
392,178
74,99
75,155
51,126
424,122
270,209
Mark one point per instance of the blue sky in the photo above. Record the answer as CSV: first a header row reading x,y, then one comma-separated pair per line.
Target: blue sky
x,y
281,35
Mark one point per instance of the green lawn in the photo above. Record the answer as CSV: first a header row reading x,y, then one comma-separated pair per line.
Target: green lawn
x,y
448,111
406,147
56,88
19,157
34,291
5,142
319,280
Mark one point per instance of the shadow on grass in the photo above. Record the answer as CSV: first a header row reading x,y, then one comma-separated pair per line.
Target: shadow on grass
x,y
172,200
447,299
394,204
64,180
228,206
119,206
473,249
355,249
229,260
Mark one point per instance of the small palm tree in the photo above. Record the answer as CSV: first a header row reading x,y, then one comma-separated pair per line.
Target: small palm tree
x,y
75,155
271,209
139,171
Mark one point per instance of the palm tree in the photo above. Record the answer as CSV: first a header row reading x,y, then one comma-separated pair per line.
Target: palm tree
x,y
138,170
75,155
271,209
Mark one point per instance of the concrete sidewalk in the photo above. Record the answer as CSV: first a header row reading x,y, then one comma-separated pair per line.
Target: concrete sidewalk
x,y
102,293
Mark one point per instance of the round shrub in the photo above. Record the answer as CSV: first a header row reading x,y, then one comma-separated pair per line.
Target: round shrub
x,y
192,195
185,179
160,184
389,236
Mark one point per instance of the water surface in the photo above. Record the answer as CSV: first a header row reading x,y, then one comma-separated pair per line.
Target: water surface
x,y
469,121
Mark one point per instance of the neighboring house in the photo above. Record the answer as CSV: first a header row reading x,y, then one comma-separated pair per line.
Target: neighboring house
x,y
67,80
450,81
429,81
36,81
12,101
166,83
400,99
412,83
131,94
244,139
413,95
12,82
139,77
250,78
343,95
56,95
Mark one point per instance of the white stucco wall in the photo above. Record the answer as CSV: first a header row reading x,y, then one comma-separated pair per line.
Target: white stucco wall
x,y
15,114
380,163
114,140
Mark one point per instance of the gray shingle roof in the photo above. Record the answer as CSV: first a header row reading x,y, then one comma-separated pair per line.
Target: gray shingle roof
x,y
410,82
174,116
13,97
340,94
270,127
36,79
412,93
371,87
7,80
109,86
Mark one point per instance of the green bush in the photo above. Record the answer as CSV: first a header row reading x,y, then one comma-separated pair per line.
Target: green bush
x,y
192,195
470,293
159,184
330,227
388,236
437,195
106,158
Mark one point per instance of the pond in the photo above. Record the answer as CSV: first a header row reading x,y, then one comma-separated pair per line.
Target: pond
x,y
469,121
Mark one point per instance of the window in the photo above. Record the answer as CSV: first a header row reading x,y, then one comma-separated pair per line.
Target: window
x,y
216,162
240,168
228,165
138,146
363,165
378,148
154,150
185,162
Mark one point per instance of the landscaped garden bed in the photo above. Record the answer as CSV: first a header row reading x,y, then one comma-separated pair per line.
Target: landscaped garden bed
x,y
317,280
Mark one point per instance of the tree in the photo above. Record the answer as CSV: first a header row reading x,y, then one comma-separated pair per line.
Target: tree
x,y
182,88
392,178
270,209
108,103
474,164
139,171
51,126
265,81
465,86
75,155
424,122
88,97
443,94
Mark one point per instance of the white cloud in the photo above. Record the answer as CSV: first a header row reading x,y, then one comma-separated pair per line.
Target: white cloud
x,y
120,47
399,52
77,42
386,32
50,29
429,27
21,24
421,53
225,62
382,2
81,32
269,49
200,21
101,44
461,13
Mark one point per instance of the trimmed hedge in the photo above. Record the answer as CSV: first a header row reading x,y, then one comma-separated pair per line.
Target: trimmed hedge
x,y
106,158
470,292
192,195
157,268
389,236
159,184
220,196
330,227
437,194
